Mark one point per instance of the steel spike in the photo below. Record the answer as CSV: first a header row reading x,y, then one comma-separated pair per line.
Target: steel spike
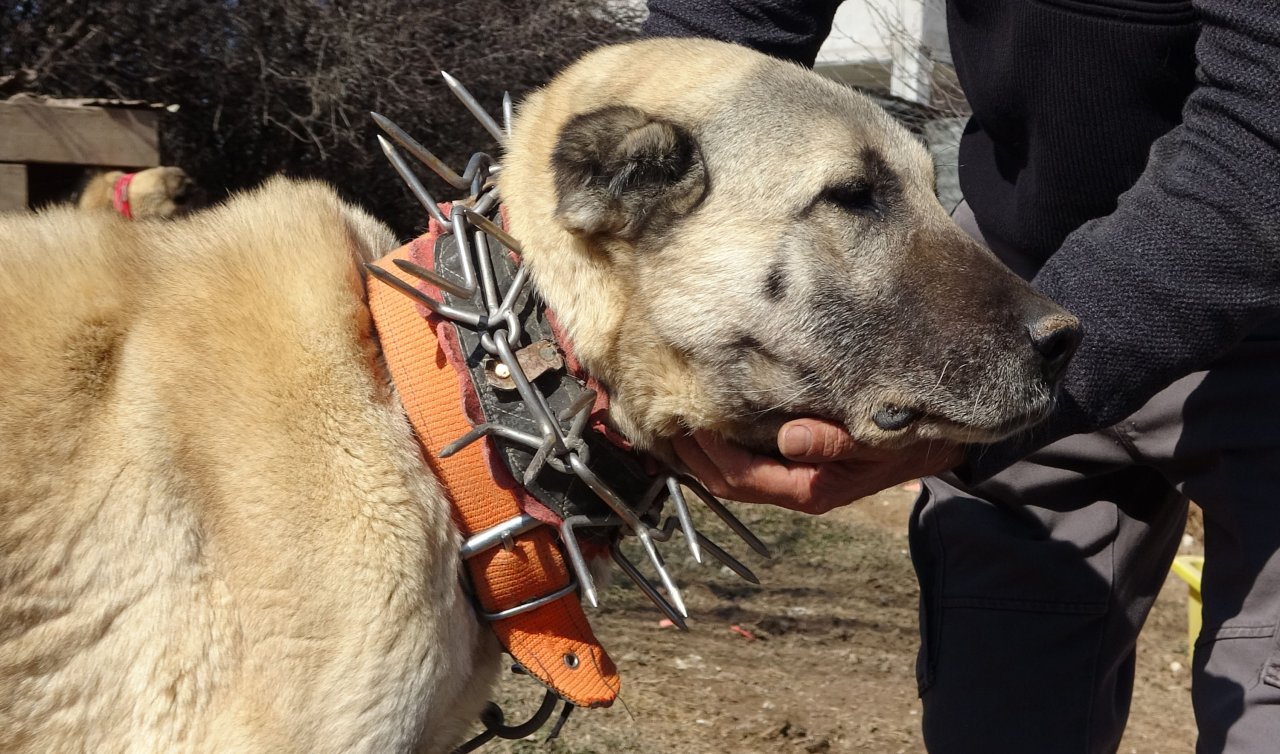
x,y
671,524
730,562
729,519
606,493
647,588
686,521
651,550
476,432
419,191
458,226
488,283
579,563
487,202
420,153
508,113
580,410
472,319
474,107
490,227
517,284
539,460
439,281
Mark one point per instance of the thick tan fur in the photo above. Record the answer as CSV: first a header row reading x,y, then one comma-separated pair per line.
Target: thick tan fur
x,y
216,531
155,193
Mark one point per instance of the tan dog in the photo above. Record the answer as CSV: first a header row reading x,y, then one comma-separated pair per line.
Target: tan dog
x,y
162,193
216,530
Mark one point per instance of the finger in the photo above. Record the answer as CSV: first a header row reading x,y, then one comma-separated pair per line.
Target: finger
x,y
747,477
695,458
816,441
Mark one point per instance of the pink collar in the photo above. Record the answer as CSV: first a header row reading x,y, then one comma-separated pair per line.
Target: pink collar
x,y
120,195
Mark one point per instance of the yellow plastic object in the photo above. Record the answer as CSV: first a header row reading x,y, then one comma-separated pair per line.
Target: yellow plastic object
x,y
1188,568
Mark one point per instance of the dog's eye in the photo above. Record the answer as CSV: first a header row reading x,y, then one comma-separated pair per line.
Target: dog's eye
x,y
859,198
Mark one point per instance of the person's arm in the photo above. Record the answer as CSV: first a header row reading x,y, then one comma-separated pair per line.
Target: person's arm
x,y
1189,261
787,29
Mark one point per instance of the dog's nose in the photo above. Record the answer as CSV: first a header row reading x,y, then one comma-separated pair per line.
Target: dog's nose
x,y
1055,338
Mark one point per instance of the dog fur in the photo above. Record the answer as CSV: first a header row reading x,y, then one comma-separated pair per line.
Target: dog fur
x,y
216,530
155,193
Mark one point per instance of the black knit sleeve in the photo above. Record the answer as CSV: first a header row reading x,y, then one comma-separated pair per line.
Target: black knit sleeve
x,y
788,29
1189,262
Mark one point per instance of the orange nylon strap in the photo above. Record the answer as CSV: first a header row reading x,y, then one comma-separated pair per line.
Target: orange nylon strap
x,y
553,642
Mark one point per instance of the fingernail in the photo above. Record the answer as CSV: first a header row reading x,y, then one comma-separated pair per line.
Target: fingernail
x,y
796,441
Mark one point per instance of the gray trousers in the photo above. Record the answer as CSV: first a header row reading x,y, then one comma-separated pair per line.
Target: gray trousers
x,y
1034,584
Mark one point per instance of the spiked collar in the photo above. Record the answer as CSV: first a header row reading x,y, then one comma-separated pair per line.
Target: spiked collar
x,y
459,324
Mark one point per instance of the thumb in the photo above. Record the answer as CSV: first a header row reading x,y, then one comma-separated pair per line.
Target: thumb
x,y
815,441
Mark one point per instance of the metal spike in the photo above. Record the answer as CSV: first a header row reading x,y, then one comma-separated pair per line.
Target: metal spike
x,y
651,550
420,192
476,433
472,105
629,517
579,563
439,281
727,560
671,524
487,202
488,283
729,519
647,588
458,225
686,521
473,319
508,113
582,402
539,460
419,152
490,227
496,430
580,410
517,284
606,493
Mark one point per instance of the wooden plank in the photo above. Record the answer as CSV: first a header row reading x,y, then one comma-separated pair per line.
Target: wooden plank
x,y
115,137
13,187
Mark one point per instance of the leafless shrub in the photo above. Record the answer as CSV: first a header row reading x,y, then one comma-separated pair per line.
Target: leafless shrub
x,y
268,86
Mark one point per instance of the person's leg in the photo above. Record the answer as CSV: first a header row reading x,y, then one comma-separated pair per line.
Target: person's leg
x,y
1227,459
1033,589
1035,584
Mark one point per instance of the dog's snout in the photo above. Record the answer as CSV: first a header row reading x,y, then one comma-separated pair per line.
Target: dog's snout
x,y
1055,338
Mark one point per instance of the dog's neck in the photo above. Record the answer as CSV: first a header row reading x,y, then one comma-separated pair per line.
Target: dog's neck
x,y
594,302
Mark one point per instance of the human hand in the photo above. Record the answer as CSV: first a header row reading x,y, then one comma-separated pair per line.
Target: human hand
x,y
825,468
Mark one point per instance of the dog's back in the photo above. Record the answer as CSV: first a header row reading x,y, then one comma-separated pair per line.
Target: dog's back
x,y
216,532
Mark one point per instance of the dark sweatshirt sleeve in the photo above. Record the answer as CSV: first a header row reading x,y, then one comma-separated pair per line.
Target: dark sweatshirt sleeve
x,y
792,30
1189,262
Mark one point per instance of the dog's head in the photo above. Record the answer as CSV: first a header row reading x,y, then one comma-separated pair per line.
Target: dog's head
x,y
732,241
160,192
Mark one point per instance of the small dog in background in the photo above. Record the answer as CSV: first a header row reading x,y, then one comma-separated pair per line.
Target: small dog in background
x,y
161,192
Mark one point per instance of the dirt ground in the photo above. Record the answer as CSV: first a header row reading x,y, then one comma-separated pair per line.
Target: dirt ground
x,y
830,665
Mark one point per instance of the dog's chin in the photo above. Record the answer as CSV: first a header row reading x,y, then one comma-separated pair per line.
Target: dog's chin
x,y
759,435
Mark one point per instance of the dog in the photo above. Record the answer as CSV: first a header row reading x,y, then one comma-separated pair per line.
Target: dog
x,y
217,531
155,193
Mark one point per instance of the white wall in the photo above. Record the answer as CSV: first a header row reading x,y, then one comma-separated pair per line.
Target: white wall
x,y
887,44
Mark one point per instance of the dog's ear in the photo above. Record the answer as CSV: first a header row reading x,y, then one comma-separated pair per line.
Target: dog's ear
x,y
617,169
